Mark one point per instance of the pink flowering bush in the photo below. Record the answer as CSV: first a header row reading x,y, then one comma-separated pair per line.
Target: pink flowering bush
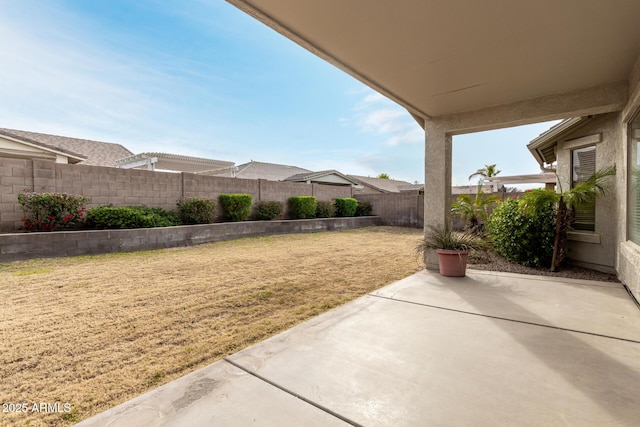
x,y
52,211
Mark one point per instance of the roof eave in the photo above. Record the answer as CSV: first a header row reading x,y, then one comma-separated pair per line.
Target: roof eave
x,y
73,157
551,137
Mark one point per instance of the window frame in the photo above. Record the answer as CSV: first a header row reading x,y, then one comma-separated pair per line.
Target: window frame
x,y
584,217
633,182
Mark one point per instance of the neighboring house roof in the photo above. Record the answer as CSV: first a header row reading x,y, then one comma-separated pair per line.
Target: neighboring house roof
x,y
410,187
331,177
173,162
386,185
543,148
82,151
261,170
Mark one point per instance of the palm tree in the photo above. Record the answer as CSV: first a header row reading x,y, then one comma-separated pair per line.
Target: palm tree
x,y
487,171
473,212
567,202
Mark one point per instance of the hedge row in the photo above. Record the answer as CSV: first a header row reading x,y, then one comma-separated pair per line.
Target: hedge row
x,y
52,211
308,207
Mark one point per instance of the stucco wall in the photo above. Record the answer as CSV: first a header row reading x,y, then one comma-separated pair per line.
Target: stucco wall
x,y
628,254
594,249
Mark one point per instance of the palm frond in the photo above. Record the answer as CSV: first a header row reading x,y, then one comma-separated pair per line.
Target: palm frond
x,y
587,192
535,200
443,237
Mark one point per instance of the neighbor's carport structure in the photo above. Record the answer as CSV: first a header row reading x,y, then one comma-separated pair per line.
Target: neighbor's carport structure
x,y
467,66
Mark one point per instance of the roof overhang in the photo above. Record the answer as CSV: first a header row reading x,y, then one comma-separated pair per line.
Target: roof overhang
x,y
442,58
172,162
330,177
33,149
543,148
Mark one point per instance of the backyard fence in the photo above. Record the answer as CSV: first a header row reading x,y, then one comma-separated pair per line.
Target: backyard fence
x,y
128,187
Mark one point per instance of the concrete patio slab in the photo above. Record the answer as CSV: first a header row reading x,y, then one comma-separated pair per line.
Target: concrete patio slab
x,y
486,350
218,395
603,308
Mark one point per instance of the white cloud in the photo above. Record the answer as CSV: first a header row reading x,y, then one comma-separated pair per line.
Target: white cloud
x,y
378,115
71,79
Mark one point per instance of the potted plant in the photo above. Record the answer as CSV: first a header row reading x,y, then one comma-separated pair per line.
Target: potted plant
x,y
452,248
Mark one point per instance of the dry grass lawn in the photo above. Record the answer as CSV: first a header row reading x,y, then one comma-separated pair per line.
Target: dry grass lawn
x,y
95,331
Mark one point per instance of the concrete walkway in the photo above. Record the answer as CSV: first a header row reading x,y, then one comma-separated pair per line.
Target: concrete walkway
x,y
491,349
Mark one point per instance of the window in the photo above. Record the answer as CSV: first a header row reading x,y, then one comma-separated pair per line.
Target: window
x,y
634,180
583,165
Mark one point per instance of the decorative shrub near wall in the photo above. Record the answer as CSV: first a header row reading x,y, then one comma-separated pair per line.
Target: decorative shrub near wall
x,y
196,210
524,237
346,206
52,211
236,207
110,217
267,210
325,209
301,207
364,208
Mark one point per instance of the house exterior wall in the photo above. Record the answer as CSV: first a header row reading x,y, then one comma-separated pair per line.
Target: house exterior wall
x,y
15,149
628,253
596,249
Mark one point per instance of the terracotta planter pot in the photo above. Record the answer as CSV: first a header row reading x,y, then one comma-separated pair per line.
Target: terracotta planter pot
x,y
452,263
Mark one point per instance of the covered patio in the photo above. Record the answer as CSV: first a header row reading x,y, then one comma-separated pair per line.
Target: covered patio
x,y
489,349
469,66
486,350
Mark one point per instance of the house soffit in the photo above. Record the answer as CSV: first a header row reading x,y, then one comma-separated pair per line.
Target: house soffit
x,y
41,147
544,147
440,57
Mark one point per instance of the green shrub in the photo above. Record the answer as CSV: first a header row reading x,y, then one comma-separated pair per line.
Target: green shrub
x,y
195,210
325,209
346,206
110,217
267,210
364,208
51,211
525,238
236,207
301,207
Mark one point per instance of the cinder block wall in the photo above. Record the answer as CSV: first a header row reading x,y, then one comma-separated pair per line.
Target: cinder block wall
x,y
16,175
125,187
397,209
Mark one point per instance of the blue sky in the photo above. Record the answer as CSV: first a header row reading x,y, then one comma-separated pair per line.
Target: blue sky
x,y
202,78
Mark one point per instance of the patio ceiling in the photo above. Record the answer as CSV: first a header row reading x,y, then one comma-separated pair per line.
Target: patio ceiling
x,y
441,57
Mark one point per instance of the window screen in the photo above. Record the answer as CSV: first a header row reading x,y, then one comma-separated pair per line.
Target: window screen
x,y
583,162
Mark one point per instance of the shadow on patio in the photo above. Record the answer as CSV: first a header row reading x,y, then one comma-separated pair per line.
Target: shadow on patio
x,y
489,349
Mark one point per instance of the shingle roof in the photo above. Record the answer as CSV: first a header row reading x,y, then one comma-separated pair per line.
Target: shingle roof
x,y
96,153
269,171
382,184
310,176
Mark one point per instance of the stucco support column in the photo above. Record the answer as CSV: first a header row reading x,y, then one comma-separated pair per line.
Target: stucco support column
x,y
437,182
